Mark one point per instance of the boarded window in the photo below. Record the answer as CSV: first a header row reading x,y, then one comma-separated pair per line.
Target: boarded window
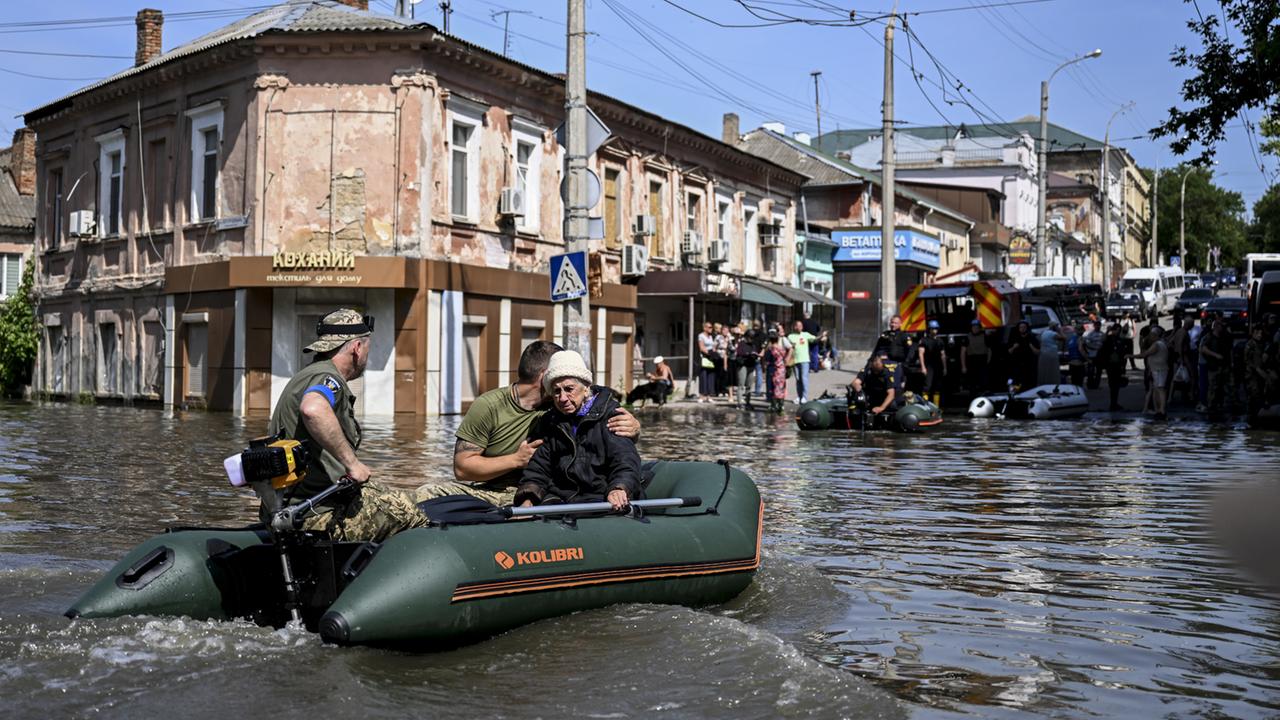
x,y
152,376
197,360
57,358
472,342
655,209
612,209
108,358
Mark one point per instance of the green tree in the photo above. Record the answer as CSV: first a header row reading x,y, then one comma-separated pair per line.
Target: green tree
x,y
1264,234
1234,69
1214,216
19,336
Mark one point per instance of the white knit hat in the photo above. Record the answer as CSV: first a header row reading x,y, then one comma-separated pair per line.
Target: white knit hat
x,y
566,364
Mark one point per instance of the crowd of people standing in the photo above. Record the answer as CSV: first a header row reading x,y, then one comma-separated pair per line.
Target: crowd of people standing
x,y
750,360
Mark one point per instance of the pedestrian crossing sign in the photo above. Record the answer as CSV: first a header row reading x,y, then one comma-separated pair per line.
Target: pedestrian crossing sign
x,y
568,276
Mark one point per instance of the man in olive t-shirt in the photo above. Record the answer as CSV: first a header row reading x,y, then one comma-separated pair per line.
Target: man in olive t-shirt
x,y
493,444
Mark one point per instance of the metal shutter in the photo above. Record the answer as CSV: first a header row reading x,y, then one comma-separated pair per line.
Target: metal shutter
x,y
197,359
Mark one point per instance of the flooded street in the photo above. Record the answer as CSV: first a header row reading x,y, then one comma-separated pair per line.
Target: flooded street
x,y
985,570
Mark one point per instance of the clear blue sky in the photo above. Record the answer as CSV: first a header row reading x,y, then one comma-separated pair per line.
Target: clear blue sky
x,y
1001,53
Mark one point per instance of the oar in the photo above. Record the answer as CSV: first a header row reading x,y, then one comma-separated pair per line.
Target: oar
x,y
595,507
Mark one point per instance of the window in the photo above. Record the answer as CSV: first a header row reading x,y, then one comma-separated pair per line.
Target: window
x,y
111,160
472,360
693,203
108,358
655,209
206,143
54,202
465,119
612,207
528,170
10,274
751,249
722,219
152,377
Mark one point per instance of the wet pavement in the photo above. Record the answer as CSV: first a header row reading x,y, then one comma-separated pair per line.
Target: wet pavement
x,y
986,569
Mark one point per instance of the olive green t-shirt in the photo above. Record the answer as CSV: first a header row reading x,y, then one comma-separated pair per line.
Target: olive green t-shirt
x,y
497,423
323,378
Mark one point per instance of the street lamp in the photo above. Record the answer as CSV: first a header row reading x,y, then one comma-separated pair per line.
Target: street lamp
x,y
1042,159
1182,218
1106,200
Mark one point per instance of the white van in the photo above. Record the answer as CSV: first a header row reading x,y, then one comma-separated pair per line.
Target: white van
x,y
1160,286
1044,280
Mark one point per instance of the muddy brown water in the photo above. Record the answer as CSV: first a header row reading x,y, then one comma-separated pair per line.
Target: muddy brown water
x,y
984,570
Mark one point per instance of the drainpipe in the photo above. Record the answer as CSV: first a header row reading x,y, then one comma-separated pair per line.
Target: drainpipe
x,y
688,388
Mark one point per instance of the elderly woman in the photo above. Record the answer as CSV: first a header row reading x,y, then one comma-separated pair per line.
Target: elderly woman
x,y
580,460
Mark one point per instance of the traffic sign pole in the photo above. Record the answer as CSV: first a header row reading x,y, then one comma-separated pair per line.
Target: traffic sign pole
x,y
577,318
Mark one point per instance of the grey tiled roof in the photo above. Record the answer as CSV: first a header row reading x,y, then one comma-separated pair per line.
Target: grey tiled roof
x,y
16,211
1060,138
824,169
292,16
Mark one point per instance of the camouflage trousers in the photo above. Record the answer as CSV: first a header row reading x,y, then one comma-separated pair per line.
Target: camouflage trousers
x,y
497,494
375,514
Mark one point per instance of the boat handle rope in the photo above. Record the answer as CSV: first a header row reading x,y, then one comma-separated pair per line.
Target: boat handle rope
x,y
715,507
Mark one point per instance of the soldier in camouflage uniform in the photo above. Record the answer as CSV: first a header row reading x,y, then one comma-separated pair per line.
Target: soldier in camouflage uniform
x,y
318,406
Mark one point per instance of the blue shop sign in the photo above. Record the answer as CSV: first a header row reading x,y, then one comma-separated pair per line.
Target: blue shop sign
x,y
858,246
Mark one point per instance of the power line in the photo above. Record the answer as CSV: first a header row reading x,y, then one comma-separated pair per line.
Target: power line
x,y
49,77
70,55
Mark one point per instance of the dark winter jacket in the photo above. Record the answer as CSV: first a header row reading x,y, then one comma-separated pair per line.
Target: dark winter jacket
x,y
580,460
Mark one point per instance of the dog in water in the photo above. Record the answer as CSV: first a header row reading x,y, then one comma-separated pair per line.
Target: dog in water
x,y
651,391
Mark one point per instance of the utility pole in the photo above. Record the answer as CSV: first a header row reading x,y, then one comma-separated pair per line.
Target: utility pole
x,y
446,11
888,266
506,25
817,103
577,313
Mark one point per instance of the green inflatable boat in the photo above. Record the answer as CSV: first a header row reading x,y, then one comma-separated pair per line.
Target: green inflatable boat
x,y
441,586
833,413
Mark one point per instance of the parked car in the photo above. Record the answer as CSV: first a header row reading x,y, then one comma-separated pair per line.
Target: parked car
x,y
1210,280
1121,303
1193,300
1234,312
1193,281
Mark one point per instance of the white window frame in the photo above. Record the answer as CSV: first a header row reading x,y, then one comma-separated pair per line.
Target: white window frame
x,y
6,261
724,217
779,222
204,118
109,144
523,131
470,114
692,201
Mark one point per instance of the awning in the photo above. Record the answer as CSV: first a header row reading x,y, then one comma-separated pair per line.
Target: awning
x,y
756,293
794,294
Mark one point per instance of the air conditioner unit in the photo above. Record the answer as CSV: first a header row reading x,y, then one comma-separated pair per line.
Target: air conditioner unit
x,y
692,244
718,251
635,260
82,223
511,202
645,225
953,243
770,237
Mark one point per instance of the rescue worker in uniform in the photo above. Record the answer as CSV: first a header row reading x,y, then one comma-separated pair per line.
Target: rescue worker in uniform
x,y
317,405
876,382
933,361
895,346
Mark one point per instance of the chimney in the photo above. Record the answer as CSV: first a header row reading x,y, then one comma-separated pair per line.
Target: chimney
x,y
775,126
357,4
802,137
149,23
22,160
729,134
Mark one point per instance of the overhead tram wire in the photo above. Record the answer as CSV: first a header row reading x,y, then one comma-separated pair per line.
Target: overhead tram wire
x,y
66,55
634,20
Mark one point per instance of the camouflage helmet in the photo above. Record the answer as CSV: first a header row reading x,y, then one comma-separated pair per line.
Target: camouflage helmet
x,y
337,328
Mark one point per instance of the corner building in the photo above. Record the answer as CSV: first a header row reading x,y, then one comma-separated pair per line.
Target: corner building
x,y
198,213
